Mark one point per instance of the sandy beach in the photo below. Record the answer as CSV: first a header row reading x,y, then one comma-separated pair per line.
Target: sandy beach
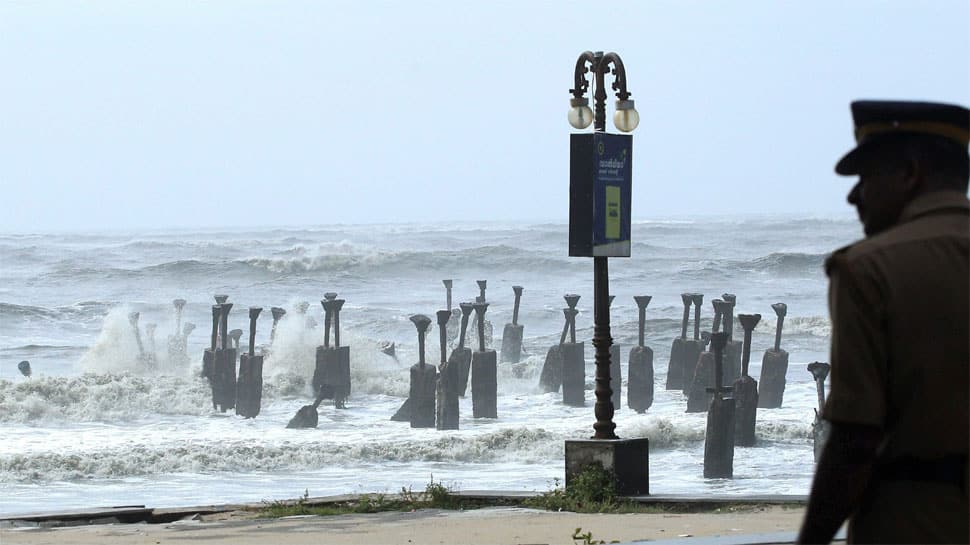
x,y
499,525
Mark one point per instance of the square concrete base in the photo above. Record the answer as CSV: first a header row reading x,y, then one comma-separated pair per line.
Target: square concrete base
x,y
626,458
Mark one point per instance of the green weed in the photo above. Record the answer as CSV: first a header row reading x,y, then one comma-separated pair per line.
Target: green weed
x,y
435,496
592,491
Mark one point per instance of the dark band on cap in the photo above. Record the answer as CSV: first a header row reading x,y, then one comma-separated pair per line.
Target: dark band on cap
x,y
960,135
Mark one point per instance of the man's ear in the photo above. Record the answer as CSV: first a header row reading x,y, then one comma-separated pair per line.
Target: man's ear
x,y
912,176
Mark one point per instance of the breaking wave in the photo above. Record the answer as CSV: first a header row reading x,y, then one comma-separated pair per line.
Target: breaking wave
x,y
337,258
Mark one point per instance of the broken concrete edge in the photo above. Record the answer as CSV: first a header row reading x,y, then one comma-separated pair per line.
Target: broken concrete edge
x,y
139,513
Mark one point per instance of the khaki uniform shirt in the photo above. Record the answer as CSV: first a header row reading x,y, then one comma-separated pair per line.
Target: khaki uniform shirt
x,y
900,307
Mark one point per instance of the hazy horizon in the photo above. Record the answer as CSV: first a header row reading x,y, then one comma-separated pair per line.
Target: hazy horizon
x,y
847,216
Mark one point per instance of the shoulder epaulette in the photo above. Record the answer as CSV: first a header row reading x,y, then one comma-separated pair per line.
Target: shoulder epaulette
x,y
836,257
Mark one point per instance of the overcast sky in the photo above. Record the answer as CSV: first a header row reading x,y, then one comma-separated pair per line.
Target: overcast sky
x,y
117,115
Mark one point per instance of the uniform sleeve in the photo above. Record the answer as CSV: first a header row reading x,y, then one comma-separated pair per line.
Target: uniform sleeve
x,y
859,356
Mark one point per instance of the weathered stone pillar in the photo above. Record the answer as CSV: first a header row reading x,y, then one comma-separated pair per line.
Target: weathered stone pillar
x,y
512,335
448,284
331,375
342,388
447,388
484,372
732,351
209,356
462,355
675,368
573,360
452,328
639,385
278,314
307,416
480,298
719,440
324,369
746,389
774,366
550,378
249,385
224,372
424,377
820,427
699,395
694,348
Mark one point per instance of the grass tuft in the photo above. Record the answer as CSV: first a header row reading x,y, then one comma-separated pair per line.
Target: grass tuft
x,y
435,496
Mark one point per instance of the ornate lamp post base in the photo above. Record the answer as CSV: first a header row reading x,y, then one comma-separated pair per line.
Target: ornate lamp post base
x,y
625,459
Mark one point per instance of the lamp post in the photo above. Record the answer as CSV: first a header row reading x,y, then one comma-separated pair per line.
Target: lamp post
x,y
625,119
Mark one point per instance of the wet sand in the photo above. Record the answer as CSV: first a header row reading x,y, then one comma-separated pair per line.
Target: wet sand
x,y
495,525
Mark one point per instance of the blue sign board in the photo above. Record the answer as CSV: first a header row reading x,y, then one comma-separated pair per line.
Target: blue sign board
x,y
600,188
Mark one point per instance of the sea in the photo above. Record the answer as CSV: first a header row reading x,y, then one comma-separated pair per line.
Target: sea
x,y
95,426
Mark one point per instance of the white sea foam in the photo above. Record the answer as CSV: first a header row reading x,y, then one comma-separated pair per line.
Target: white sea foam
x,y
107,424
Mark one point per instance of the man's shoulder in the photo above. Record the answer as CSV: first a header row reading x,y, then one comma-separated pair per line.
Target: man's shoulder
x,y
899,239
858,251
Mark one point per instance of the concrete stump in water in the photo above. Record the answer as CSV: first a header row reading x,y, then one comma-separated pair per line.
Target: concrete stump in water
x,y
512,335
306,417
639,387
820,427
675,368
698,398
693,348
209,356
550,378
573,374
224,372
403,413
484,372
746,389
249,385
278,314
331,375
424,377
719,439
461,357
699,393
732,350
488,324
452,327
774,366
573,359
447,387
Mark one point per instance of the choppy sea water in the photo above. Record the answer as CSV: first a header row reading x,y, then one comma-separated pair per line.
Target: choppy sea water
x,y
92,427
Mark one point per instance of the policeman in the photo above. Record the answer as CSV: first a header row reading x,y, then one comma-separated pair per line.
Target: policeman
x,y
895,464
